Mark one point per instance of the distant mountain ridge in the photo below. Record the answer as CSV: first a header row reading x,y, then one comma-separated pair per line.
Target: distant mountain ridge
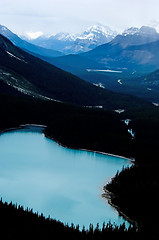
x,y
136,36
77,43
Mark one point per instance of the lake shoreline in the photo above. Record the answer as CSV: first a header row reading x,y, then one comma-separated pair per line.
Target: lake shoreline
x,y
132,160
23,126
107,194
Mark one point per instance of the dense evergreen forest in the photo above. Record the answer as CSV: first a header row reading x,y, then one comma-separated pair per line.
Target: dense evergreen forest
x,y
69,125
17,223
135,190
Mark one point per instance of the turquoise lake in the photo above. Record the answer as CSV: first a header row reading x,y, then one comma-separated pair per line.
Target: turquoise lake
x,y
66,184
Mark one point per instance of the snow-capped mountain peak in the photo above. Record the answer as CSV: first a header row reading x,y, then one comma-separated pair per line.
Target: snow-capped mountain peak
x,y
100,29
144,30
92,33
131,31
97,31
136,36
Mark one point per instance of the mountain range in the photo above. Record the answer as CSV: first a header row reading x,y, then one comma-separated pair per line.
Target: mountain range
x,y
135,51
76,43
132,54
22,73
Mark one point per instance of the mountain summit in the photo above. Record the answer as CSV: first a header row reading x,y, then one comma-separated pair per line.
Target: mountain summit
x,y
97,31
137,36
144,30
91,38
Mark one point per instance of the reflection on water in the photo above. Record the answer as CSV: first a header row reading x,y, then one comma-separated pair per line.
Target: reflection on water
x,y
66,184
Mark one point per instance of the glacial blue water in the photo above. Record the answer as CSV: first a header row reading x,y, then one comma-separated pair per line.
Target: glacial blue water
x,y
66,184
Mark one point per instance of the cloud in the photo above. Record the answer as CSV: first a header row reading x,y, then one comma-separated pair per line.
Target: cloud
x,y
60,15
34,35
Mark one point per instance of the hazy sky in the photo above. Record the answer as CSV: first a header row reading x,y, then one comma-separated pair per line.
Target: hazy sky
x,y
51,16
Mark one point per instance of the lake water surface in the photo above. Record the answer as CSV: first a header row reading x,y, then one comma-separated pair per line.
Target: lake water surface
x,y
66,184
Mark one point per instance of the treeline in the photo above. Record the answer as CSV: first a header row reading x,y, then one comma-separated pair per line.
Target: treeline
x,y
136,189
73,126
17,223
136,192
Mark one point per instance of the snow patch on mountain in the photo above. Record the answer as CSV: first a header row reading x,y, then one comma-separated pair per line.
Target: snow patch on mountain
x,y
11,55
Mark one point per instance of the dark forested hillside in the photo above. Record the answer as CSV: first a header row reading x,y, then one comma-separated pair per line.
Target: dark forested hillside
x,y
70,125
135,190
17,223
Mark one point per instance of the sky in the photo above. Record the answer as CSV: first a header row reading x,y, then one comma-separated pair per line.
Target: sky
x,y
53,16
